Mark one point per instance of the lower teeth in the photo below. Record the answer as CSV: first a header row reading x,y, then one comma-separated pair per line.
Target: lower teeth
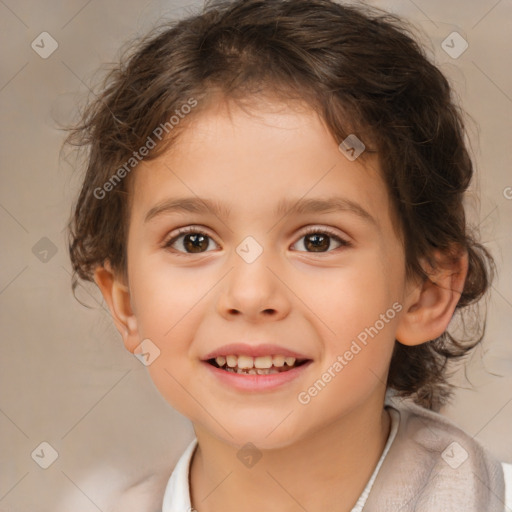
x,y
254,371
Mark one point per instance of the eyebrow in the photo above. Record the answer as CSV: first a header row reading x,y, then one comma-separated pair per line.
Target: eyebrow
x,y
284,207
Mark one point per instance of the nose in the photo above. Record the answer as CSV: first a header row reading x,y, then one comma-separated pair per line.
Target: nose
x,y
254,290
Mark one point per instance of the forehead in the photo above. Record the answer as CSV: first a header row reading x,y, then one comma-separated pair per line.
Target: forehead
x,y
256,160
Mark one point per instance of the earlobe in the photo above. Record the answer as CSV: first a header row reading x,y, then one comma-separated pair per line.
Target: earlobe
x,y
431,302
117,297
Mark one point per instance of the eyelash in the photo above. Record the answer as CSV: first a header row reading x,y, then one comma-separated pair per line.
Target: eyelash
x,y
309,231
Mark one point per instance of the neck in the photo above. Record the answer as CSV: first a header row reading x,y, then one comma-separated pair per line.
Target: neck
x,y
325,470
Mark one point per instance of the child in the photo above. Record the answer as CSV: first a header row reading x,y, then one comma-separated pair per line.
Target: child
x,y
273,212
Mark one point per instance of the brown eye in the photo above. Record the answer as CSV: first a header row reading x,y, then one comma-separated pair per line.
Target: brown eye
x,y
190,241
319,240
195,243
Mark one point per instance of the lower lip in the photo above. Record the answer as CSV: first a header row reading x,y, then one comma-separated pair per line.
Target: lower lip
x,y
257,382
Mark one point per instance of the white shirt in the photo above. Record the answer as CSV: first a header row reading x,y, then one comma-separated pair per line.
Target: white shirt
x,y
177,491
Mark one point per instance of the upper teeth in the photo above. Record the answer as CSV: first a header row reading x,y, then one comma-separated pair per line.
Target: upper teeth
x,y
254,362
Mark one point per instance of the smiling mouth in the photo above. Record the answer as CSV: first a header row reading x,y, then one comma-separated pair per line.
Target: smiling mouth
x,y
275,365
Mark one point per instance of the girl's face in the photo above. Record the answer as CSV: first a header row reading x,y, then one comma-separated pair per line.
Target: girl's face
x,y
263,264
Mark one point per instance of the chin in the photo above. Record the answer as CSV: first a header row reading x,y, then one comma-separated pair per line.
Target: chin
x,y
262,436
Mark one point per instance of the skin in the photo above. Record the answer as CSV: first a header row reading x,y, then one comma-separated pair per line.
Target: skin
x,y
315,456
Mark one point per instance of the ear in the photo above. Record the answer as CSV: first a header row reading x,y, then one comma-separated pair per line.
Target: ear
x,y
431,302
117,297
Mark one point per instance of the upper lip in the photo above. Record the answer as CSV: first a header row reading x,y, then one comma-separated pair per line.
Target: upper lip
x,y
253,351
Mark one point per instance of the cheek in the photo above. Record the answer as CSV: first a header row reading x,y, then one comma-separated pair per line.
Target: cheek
x,y
169,306
163,295
172,325
351,297
359,319
355,309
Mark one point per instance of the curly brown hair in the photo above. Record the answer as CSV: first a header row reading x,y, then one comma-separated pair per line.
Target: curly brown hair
x,y
360,69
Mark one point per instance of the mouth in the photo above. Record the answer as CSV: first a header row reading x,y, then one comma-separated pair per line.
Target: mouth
x,y
263,365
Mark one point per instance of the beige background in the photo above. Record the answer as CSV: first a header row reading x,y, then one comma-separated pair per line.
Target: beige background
x,y
65,376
